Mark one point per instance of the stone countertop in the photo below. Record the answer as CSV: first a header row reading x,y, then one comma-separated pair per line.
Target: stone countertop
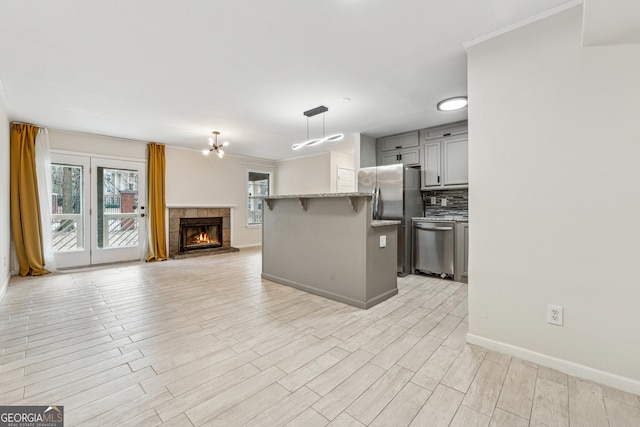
x,y
382,223
441,218
319,195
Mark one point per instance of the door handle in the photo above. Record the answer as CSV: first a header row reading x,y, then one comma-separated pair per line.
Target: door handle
x,y
376,203
434,228
141,215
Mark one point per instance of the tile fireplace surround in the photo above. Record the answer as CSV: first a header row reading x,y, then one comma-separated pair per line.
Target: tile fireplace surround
x,y
194,212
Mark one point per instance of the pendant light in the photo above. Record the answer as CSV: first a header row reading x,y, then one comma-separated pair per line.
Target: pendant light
x,y
213,143
311,142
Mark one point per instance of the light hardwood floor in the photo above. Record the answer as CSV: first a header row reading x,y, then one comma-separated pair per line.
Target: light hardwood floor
x,y
206,341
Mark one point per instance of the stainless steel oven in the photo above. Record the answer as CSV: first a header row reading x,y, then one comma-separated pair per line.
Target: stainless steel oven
x,y
433,250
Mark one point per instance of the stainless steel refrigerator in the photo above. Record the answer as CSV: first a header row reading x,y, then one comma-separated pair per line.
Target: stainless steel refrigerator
x,y
396,191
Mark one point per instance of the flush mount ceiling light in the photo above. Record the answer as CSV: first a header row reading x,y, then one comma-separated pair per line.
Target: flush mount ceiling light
x,y
452,104
213,143
311,142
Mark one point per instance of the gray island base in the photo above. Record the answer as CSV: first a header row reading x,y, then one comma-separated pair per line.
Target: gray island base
x,y
328,245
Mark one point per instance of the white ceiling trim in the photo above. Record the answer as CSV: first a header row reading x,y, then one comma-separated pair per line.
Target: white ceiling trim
x,y
523,23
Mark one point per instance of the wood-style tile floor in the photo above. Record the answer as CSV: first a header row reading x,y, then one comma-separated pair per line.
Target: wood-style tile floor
x,y
206,341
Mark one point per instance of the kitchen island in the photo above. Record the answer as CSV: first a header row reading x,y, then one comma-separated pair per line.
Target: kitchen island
x,y
328,245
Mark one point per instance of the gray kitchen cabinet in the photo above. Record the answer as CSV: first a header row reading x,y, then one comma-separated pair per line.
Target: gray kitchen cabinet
x,y
461,269
397,142
455,158
445,162
431,172
407,157
451,129
399,149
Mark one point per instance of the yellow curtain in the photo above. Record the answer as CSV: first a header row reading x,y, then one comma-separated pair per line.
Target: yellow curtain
x,y
25,208
157,250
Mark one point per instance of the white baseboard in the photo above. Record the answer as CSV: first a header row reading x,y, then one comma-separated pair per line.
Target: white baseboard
x,y
4,286
575,369
250,245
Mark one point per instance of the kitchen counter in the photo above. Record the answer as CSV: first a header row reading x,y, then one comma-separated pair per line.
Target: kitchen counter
x,y
319,195
328,245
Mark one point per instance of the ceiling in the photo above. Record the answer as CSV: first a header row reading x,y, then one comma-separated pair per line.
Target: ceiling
x,y
172,72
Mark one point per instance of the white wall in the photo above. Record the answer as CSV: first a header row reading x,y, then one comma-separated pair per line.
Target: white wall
x,y
5,215
304,175
197,180
311,174
97,145
553,161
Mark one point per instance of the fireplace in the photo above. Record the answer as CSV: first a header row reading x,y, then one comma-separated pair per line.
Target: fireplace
x,y
191,242
200,233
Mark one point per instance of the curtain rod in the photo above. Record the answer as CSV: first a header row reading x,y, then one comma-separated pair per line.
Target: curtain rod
x,y
80,133
24,123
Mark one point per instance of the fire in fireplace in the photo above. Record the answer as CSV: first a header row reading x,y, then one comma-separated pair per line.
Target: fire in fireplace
x,y
200,233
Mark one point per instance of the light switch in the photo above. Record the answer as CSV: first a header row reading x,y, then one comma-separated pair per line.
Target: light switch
x,y
383,241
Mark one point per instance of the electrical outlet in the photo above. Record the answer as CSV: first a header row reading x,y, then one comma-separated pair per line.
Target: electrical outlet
x,y
433,200
443,201
555,314
383,241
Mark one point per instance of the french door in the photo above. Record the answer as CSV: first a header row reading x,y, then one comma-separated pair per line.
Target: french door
x,y
98,210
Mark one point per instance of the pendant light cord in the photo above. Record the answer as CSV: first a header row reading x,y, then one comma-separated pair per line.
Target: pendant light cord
x,y
323,126
313,112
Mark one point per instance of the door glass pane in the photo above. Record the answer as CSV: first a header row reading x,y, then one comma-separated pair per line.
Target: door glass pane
x,y
67,224
117,199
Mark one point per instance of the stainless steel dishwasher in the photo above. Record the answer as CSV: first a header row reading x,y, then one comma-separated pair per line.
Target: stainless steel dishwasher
x,y
433,247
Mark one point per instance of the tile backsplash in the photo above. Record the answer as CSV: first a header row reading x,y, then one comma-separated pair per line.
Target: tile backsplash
x,y
457,202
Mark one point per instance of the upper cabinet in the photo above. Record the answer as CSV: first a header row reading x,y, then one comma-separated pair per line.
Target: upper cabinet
x,y
455,159
452,129
431,170
445,160
404,149
409,157
442,153
397,142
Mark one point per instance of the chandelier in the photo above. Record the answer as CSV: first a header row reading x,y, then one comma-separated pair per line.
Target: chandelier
x,y
215,146
311,142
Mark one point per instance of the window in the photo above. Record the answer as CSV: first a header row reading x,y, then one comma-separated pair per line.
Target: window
x,y
259,184
67,219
